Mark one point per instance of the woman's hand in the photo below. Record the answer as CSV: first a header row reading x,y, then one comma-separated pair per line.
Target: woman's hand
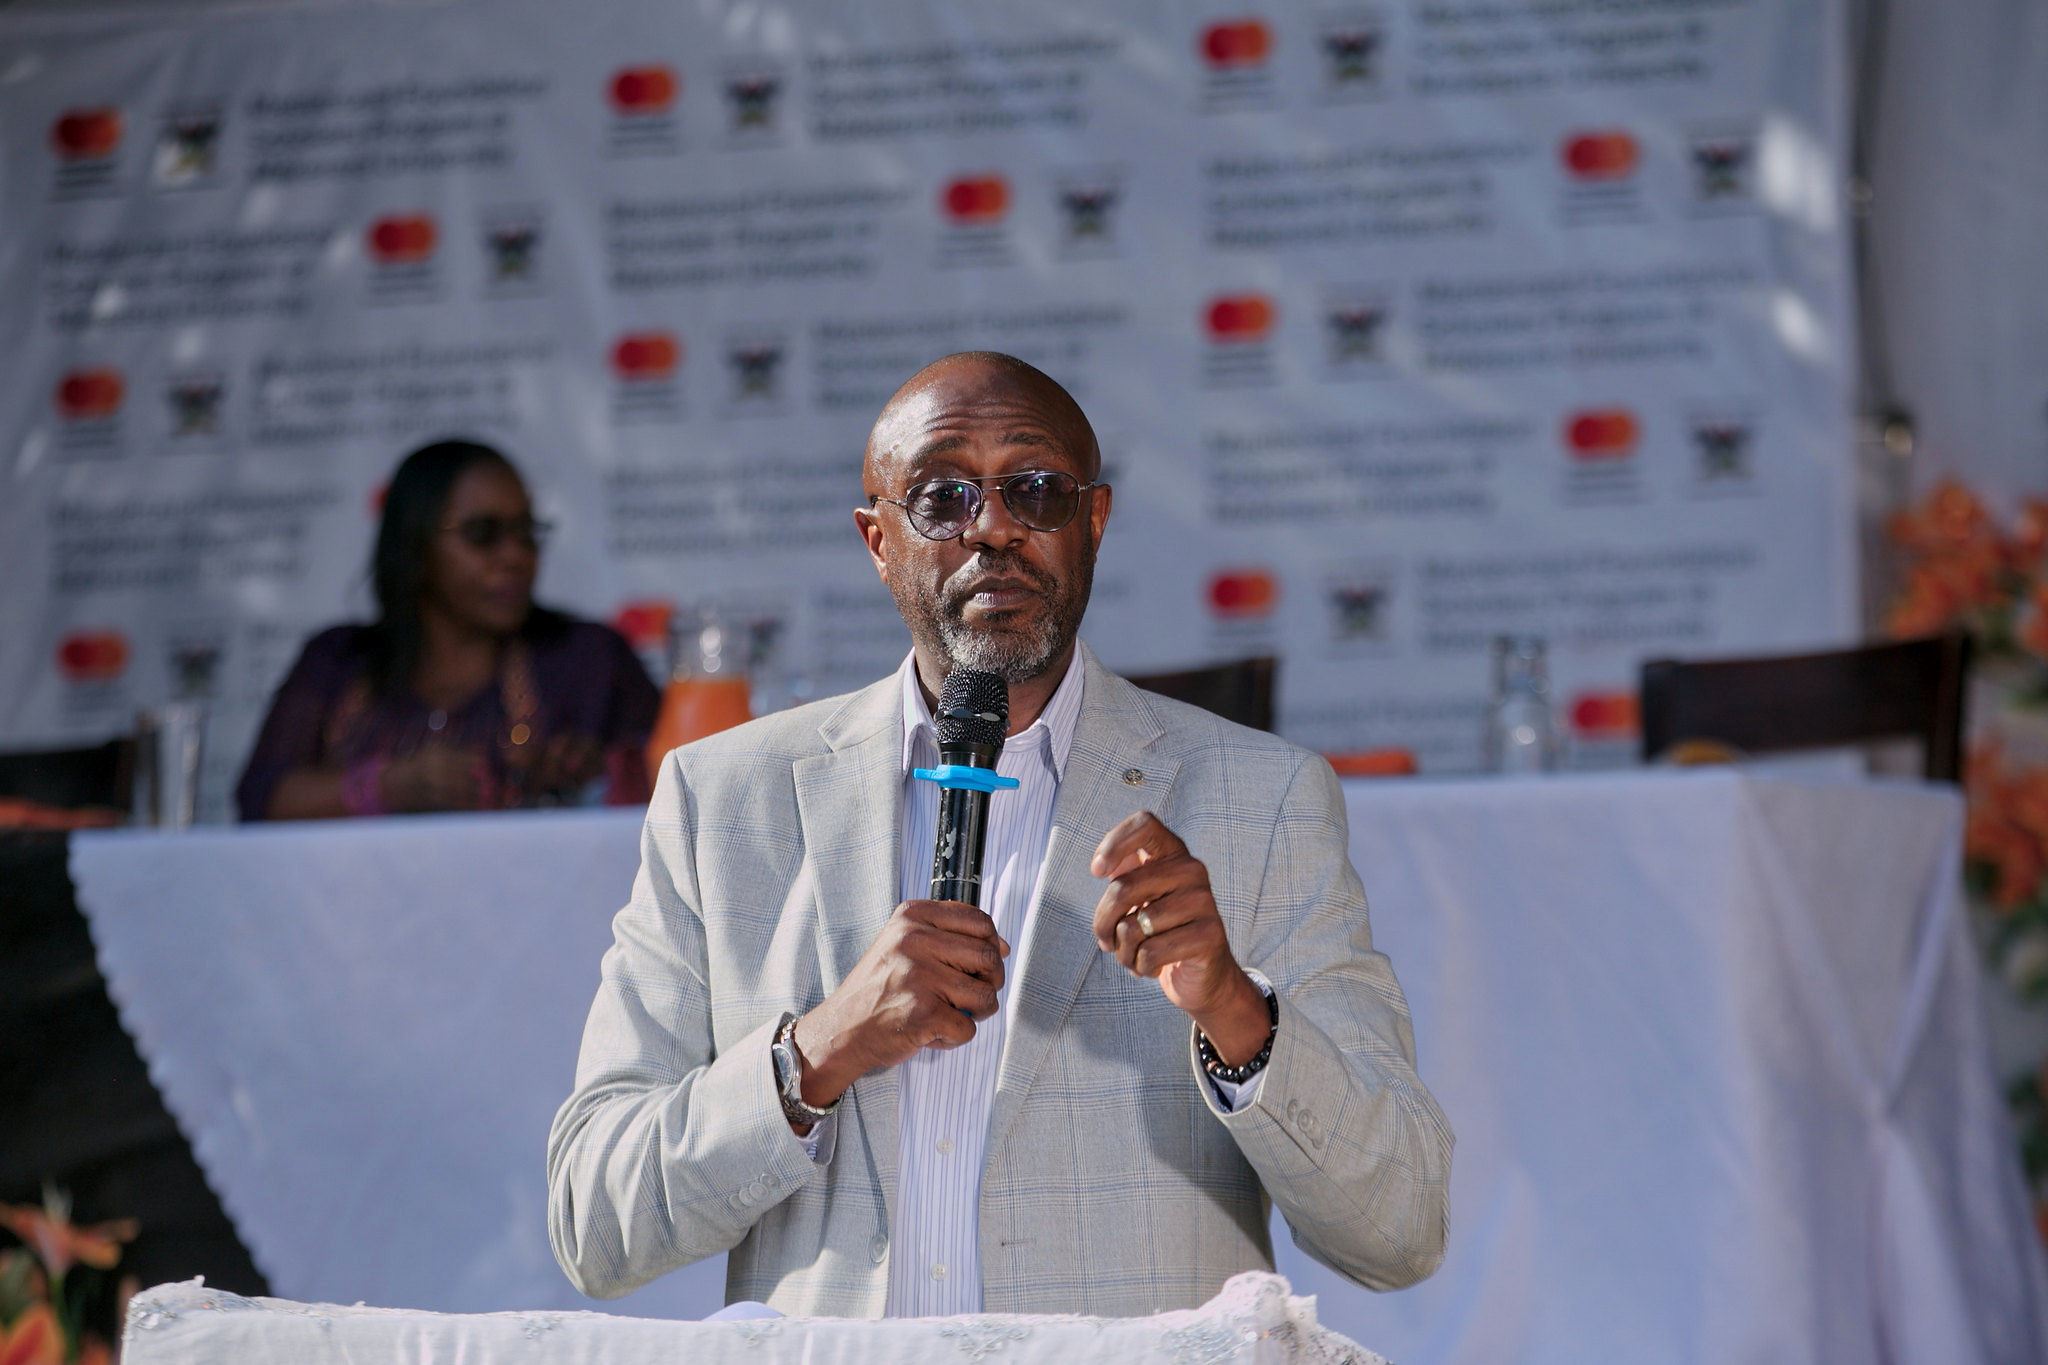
x,y
567,764
438,777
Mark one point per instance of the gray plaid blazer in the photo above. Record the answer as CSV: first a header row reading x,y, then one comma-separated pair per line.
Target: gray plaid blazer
x,y
1115,1184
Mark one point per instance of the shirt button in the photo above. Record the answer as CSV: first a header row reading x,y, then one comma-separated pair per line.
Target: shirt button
x,y
878,1247
938,1272
945,1146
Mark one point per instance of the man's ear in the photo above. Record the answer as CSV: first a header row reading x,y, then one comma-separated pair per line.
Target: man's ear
x,y
870,527
1098,511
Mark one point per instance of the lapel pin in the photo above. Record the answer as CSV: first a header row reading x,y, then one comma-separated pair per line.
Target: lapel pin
x,y
1133,777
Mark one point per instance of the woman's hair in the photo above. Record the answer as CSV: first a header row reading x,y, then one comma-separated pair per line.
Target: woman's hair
x,y
415,506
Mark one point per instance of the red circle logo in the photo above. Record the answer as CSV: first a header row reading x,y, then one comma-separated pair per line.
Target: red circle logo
x,y
1607,155
92,655
1237,42
1240,317
1240,593
644,90
403,239
1605,715
86,394
976,199
86,134
644,622
646,355
1602,434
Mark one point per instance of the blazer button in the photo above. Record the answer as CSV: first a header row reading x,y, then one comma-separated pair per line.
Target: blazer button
x,y
878,1247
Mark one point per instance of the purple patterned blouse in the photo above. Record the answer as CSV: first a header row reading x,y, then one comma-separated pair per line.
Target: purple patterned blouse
x,y
561,676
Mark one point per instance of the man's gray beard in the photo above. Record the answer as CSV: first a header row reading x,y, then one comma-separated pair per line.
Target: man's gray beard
x,y
1014,656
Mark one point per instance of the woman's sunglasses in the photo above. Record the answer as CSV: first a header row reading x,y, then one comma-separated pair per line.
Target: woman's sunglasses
x,y
484,533
943,509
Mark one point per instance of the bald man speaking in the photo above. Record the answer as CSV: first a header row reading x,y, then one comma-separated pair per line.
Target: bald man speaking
x,y
1079,1097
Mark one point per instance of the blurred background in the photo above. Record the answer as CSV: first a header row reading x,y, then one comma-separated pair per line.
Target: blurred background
x,y
1455,360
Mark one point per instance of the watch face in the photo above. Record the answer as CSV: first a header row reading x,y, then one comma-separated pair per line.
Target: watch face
x,y
786,1077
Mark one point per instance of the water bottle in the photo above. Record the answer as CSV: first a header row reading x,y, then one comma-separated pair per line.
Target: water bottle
x,y
1521,733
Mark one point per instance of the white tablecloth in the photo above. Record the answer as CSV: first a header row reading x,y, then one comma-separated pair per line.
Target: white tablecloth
x,y
1254,1321
1712,1045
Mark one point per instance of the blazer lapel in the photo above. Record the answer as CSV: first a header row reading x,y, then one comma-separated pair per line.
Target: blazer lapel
x,y
1113,739
849,804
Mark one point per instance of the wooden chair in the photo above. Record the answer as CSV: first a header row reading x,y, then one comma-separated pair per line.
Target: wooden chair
x,y
71,778
1911,689
1241,690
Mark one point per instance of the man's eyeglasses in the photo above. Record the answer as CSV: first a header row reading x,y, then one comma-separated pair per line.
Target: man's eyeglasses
x,y
943,509
485,533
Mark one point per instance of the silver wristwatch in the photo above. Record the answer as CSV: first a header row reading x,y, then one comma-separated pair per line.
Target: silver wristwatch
x,y
789,1077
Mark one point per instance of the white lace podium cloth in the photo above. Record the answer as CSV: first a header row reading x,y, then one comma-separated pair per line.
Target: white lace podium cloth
x,y
1255,1320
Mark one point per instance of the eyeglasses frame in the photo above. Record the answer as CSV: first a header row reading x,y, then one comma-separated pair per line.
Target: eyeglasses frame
x,y
983,487
534,538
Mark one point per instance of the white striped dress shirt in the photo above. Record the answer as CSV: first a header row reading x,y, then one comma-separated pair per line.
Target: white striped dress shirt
x,y
946,1096
934,1253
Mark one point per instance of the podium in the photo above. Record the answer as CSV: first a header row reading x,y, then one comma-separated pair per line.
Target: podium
x,y
1255,1320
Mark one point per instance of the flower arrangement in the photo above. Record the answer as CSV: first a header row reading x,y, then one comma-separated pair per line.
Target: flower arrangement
x,y
1965,569
49,1283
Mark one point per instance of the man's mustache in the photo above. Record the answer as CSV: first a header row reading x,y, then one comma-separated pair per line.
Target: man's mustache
x,y
959,588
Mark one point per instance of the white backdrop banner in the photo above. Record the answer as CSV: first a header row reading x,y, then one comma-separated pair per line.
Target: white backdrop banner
x,y
1401,325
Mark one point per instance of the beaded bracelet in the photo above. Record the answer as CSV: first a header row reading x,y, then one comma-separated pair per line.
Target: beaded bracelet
x,y
1238,1075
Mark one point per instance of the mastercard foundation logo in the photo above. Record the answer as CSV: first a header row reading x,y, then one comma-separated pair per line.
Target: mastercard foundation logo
x,y
1239,594
1602,434
644,622
86,395
403,239
642,91
1236,43
643,356
86,134
1606,155
1605,715
1239,317
976,199
92,655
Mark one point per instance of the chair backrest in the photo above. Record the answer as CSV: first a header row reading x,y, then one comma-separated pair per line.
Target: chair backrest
x,y
1910,689
1241,690
71,778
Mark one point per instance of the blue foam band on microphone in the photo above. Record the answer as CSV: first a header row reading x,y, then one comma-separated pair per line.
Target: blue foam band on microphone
x,y
960,775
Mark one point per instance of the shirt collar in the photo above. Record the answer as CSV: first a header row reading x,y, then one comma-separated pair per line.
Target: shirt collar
x,y
1053,728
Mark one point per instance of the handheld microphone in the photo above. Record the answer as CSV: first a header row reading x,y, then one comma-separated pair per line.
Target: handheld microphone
x,y
972,720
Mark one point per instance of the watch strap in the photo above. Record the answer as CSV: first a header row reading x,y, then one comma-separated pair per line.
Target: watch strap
x,y
790,1092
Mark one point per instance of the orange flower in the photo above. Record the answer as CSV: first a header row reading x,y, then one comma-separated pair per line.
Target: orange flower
x,y
2030,535
2016,861
1949,517
2033,631
59,1243
2007,828
34,1339
1925,606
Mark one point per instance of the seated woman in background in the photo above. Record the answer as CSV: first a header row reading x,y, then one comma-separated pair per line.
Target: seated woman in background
x,y
463,694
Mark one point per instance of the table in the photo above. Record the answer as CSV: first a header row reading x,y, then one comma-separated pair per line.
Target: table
x,y
1712,1044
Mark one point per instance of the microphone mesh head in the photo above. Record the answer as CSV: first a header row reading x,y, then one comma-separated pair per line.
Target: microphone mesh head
x,y
974,708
